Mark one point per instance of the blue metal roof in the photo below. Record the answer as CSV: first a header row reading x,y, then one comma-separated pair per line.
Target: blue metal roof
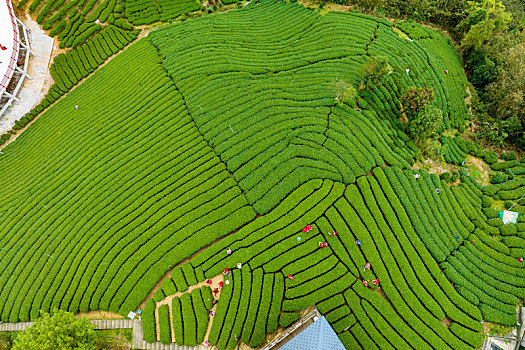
x,y
317,336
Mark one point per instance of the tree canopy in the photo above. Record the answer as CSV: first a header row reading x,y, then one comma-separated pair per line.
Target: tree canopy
x,y
60,331
415,99
425,122
375,71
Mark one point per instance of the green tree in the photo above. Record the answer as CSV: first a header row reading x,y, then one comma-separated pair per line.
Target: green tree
x,y
425,123
415,99
60,331
6,341
375,71
507,92
479,34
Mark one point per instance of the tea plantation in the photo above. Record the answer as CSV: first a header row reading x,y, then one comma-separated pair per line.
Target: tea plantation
x,y
214,142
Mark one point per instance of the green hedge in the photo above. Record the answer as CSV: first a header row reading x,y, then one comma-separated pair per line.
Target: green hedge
x,y
159,295
148,322
168,287
504,165
259,331
178,328
189,320
164,324
178,279
201,313
189,274
287,318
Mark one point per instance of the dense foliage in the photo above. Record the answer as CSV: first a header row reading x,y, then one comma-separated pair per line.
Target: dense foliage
x,y
491,35
60,331
172,196
196,150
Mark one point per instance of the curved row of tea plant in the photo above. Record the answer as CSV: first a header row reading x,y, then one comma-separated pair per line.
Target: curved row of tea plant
x,y
456,230
372,214
120,189
181,139
140,12
266,100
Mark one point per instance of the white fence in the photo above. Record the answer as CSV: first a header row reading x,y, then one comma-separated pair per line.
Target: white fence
x,y
13,68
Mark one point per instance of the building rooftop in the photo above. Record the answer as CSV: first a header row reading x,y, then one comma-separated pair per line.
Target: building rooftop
x,y
317,336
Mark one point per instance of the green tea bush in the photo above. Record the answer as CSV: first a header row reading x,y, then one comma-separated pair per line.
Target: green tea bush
x,y
508,156
287,318
189,321
498,178
177,320
164,324
490,157
159,295
134,182
504,165
148,322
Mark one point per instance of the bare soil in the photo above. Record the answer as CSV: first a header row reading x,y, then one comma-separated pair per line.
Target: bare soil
x,y
433,167
446,321
474,163
99,315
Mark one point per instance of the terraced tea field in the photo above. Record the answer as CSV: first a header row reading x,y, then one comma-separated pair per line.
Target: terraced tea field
x,y
213,142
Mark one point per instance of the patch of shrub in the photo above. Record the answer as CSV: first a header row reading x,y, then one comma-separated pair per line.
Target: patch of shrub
x,y
508,156
490,157
498,178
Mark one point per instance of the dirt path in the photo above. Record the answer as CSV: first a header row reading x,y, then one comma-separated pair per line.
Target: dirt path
x,y
167,301
99,315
